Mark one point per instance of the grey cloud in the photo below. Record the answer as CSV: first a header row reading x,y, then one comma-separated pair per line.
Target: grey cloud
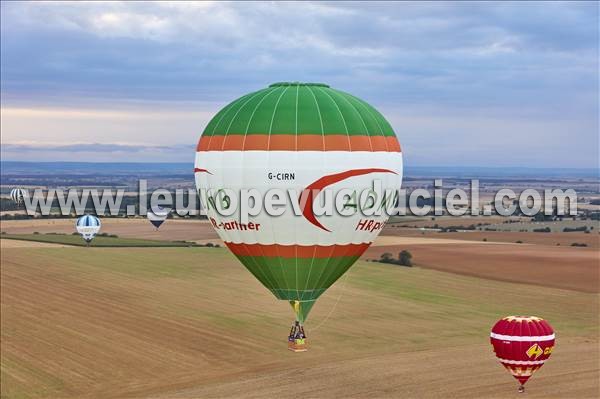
x,y
534,61
158,49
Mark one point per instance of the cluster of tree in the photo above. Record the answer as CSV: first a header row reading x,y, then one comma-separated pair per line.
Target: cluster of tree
x,y
404,258
579,244
543,230
541,217
105,235
209,245
450,228
17,216
574,229
453,229
7,204
593,215
192,243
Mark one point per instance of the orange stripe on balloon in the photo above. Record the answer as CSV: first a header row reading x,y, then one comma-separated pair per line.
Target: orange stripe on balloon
x,y
301,142
393,144
379,143
363,143
337,142
253,142
310,142
298,251
233,141
282,142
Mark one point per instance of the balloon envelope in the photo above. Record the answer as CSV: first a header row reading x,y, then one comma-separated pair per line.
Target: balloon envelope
x,y
522,344
304,139
88,226
18,195
158,217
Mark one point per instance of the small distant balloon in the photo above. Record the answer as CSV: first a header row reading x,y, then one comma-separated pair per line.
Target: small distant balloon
x,y
18,195
522,345
88,226
158,217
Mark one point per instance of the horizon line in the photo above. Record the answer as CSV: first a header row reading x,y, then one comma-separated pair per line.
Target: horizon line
x,y
406,166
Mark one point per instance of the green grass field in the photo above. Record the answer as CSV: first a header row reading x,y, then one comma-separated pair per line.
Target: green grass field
x,y
192,322
98,241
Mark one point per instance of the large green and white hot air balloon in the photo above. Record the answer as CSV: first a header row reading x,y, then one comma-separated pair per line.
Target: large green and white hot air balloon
x,y
303,139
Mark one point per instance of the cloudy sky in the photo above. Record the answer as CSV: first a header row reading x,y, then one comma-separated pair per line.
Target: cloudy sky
x,y
463,84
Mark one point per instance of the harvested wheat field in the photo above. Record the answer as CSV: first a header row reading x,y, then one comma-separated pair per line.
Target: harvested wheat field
x,y
192,322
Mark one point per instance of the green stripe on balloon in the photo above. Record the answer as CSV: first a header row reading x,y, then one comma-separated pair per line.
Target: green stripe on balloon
x,y
302,279
292,108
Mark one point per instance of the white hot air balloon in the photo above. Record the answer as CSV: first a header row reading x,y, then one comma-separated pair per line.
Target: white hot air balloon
x,y
18,195
88,226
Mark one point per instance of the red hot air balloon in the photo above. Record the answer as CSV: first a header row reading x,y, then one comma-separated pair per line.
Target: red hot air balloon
x,y
522,344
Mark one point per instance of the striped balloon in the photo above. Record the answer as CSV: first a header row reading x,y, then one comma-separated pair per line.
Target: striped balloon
x,y
522,345
304,138
88,226
18,195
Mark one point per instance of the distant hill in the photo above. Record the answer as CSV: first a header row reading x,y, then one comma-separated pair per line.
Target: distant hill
x,y
96,168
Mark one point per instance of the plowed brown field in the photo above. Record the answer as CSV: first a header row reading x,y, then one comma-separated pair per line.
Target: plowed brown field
x,y
592,240
560,267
